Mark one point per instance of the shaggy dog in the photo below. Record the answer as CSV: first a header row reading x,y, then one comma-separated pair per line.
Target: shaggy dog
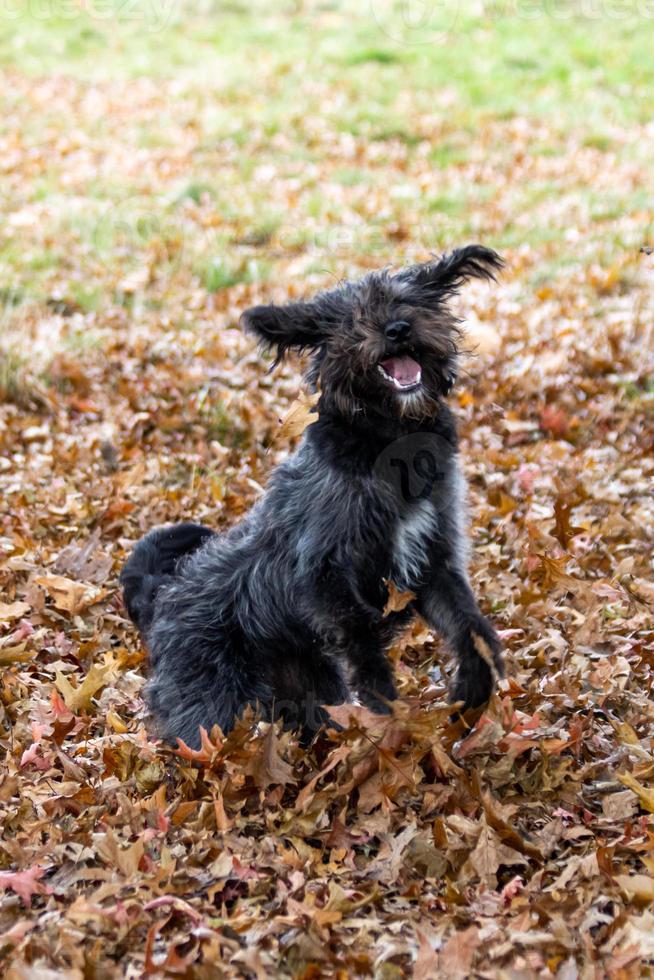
x,y
285,611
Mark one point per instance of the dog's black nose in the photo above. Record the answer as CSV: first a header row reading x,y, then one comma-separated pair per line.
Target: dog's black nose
x,y
397,330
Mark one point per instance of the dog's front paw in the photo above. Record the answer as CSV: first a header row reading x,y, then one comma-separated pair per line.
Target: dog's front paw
x,y
377,697
480,665
473,684
375,686
372,702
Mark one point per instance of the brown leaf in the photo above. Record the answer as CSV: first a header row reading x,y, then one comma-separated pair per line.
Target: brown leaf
x,y
15,654
645,795
299,416
563,529
500,819
82,561
490,853
456,956
69,596
79,698
357,716
618,807
222,820
397,601
270,768
426,966
10,611
555,421
124,859
637,888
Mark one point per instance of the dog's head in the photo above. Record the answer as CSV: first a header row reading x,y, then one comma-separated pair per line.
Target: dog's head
x,y
386,343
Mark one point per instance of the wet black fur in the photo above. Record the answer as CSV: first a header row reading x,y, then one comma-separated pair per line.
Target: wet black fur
x,y
285,610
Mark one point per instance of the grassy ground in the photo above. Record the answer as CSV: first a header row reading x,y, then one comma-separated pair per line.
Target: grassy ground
x,y
164,167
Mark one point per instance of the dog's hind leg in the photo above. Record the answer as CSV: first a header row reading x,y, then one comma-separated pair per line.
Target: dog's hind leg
x,y
199,680
303,684
154,561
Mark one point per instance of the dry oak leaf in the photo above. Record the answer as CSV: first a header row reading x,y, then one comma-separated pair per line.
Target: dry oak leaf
x,y
210,746
397,601
299,416
563,529
78,698
25,883
639,587
426,964
638,888
554,421
69,596
457,954
499,818
15,655
10,611
223,822
489,853
269,767
338,755
645,795
124,859
357,716
84,561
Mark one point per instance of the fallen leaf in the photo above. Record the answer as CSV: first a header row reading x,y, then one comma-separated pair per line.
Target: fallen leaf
x,y
69,596
563,529
270,768
490,853
79,698
638,888
455,960
25,884
645,795
397,601
301,414
13,610
426,966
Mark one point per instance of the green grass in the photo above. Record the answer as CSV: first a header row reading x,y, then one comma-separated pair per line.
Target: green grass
x,y
11,368
574,66
220,273
300,128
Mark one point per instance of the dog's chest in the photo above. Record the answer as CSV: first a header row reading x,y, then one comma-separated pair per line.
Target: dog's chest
x,y
413,535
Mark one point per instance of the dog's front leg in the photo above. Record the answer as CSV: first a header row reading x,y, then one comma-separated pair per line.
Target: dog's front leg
x,y
372,678
371,675
448,605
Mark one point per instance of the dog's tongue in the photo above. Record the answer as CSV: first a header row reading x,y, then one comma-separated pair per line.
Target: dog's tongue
x,y
403,368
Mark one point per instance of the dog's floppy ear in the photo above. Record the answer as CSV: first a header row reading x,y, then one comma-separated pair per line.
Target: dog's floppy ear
x,y
446,275
297,326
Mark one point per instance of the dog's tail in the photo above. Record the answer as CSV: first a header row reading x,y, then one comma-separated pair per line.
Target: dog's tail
x,y
153,562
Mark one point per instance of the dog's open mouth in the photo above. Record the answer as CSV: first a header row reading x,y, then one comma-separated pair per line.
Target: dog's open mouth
x,y
401,371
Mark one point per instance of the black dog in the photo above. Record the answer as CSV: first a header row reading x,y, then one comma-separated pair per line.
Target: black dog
x,y
285,610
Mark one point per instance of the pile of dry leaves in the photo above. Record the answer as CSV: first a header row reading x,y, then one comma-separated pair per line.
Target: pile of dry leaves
x,y
403,843
402,846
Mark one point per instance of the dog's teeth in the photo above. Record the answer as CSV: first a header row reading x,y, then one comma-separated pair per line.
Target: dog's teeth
x,y
398,384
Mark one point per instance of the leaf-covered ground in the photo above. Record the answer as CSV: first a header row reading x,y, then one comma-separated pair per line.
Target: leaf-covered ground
x,y
161,170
